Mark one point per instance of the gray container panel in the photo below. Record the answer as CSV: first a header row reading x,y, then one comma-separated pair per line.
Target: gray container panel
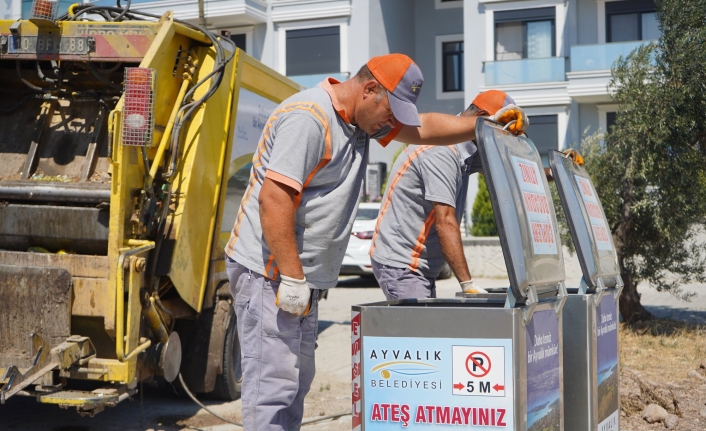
x,y
579,351
421,322
523,207
587,221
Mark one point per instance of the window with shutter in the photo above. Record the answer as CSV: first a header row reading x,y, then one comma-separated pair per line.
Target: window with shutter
x,y
631,20
314,51
240,40
544,132
525,33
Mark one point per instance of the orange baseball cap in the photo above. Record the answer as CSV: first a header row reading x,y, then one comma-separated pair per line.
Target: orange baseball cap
x,y
403,81
492,100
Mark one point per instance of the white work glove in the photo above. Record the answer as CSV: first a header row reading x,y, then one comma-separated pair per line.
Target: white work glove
x,y
470,287
509,113
293,296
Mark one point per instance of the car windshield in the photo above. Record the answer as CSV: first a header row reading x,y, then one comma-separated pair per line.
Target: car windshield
x,y
367,214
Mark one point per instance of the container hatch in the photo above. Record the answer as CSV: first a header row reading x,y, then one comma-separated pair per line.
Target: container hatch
x,y
587,221
524,212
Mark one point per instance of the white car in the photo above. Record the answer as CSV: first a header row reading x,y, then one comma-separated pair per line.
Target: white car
x,y
357,260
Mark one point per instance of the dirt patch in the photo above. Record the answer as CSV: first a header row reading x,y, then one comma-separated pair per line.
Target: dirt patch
x,y
663,362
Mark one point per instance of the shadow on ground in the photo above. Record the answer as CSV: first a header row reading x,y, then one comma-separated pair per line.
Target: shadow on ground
x,y
682,314
158,408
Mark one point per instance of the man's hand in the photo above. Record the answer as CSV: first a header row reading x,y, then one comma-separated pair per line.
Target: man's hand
x,y
293,296
470,287
575,156
510,113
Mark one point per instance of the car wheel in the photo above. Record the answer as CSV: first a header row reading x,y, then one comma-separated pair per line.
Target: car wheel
x,y
229,382
446,272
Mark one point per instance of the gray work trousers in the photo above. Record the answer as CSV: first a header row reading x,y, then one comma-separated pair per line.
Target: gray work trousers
x,y
277,352
403,283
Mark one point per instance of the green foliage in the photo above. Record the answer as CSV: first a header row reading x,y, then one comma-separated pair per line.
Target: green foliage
x,y
650,172
389,170
564,232
482,214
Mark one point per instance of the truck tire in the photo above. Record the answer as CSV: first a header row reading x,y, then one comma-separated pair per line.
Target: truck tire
x,y
229,382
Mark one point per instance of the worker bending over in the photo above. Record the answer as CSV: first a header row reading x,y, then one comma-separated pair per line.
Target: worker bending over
x,y
295,219
418,226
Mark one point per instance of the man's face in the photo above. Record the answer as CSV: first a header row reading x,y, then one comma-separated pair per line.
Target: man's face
x,y
373,110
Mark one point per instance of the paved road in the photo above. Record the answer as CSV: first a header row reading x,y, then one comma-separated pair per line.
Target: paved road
x,y
163,409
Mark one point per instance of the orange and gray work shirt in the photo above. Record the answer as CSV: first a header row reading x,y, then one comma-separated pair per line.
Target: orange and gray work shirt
x,y
405,235
309,145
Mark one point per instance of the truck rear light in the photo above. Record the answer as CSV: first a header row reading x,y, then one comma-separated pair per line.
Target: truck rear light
x,y
138,111
45,9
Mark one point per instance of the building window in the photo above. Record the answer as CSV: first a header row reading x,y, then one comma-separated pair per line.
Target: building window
x,y
631,20
240,40
314,51
544,132
452,54
527,33
610,119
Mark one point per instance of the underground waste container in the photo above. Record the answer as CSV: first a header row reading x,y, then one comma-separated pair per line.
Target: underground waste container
x,y
487,361
590,323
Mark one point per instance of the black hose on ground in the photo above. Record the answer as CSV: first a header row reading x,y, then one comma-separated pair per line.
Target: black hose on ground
x,y
193,398
304,422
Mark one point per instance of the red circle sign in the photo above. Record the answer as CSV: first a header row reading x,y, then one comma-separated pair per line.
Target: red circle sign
x,y
481,367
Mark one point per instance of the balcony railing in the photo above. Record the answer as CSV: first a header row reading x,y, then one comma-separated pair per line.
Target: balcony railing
x,y
525,71
600,56
309,81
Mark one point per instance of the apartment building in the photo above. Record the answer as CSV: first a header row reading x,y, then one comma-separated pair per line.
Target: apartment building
x,y
552,56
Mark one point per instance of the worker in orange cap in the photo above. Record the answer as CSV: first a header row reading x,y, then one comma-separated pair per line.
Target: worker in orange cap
x,y
416,234
296,216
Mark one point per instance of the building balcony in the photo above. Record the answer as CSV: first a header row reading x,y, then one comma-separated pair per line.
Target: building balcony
x,y
525,71
309,81
297,10
600,56
590,69
219,13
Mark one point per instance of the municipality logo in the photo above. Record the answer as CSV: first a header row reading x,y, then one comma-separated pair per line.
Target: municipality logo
x,y
405,362
404,368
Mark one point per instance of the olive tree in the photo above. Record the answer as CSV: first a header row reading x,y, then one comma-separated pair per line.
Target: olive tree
x,y
650,169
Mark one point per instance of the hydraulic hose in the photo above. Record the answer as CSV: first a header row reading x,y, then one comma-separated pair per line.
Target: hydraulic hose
x,y
18,68
102,78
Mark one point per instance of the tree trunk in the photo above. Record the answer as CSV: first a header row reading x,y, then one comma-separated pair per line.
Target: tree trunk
x,y
630,307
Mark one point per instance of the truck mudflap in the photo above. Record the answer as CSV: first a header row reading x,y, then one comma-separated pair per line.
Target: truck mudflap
x,y
35,314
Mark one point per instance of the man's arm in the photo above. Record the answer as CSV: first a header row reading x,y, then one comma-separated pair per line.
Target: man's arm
x,y
444,129
450,239
439,129
277,219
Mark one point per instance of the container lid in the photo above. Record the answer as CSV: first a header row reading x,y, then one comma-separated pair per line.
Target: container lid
x,y
524,212
587,221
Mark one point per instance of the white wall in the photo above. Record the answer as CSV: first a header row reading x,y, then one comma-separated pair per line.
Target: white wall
x,y
10,9
410,27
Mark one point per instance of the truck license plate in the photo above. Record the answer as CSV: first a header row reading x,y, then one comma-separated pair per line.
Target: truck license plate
x,y
49,45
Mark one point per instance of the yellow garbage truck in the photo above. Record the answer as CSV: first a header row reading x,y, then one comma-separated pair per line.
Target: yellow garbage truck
x,y
126,143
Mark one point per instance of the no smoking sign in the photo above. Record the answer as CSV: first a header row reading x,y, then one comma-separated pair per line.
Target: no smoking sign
x,y
479,371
